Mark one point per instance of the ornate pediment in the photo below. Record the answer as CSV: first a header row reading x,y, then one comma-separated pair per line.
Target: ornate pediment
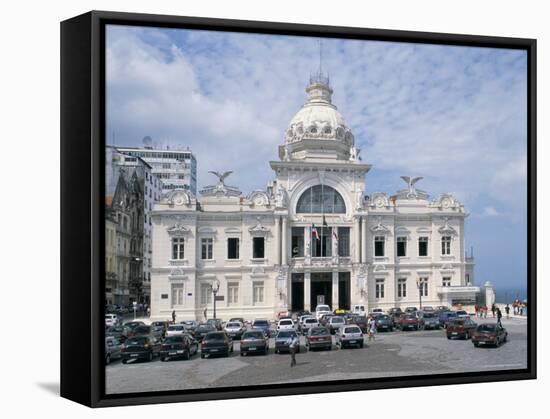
x,y
179,198
379,200
259,198
178,230
380,228
259,229
446,229
447,202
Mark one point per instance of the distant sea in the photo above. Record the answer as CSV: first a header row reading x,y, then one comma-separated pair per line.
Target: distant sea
x,y
508,295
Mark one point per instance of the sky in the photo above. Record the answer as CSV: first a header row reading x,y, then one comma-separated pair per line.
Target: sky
x,y
455,115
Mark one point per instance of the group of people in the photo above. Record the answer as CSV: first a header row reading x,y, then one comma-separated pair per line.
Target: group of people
x,y
519,308
481,312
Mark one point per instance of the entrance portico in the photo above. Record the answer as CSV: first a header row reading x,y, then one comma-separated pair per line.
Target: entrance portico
x,y
309,289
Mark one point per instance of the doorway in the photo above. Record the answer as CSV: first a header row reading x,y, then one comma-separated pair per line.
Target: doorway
x,y
344,292
297,292
321,289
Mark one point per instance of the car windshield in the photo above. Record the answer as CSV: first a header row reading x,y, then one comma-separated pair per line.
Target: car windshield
x,y
285,322
457,323
310,321
204,328
429,316
286,334
188,322
173,339
114,329
235,324
384,317
486,328
261,323
318,331
337,320
461,312
322,308
352,330
215,336
142,329
410,317
253,335
157,323
140,340
175,328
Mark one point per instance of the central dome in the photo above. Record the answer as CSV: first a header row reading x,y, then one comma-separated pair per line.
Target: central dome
x,y
319,119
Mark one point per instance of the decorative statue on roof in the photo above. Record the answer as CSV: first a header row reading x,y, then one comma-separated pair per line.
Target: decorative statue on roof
x,y
280,196
410,183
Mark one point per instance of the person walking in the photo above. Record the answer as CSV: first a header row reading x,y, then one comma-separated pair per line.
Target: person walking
x,y
174,316
507,310
485,309
476,308
499,316
205,313
372,328
493,309
293,343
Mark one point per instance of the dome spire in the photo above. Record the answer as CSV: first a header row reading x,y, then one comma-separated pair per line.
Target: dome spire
x,y
319,89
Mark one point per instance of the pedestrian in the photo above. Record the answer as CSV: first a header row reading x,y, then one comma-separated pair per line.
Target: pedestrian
x,y
372,328
293,343
485,309
476,308
507,310
205,312
499,316
174,316
493,309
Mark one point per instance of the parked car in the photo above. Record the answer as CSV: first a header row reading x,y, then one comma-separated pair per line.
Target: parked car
x,y
216,323
176,330
460,328
324,320
142,347
190,325
234,329
307,324
410,309
377,310
281,341
117,332
442,308
254,341
428,309
159,328
113,349
318,338
263,325
430,321
112,320
462,314
384,322
178,346
358,309
237,319
133,324
445,317
322,309
140,330
335,323
216,343
360,321
286,324
202,330
350,335
489,334
408,321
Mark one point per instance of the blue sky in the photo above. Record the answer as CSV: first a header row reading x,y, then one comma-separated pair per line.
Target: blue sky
x,y
455,115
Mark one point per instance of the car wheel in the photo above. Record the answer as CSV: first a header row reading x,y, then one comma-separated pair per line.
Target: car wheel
x,y
361,344
227,353
476,344
162,359
448,337
505,338
124,361
202,356
187,355
391,329
150,356
108,359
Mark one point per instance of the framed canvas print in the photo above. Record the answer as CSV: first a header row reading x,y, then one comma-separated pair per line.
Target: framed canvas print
x,y
254,209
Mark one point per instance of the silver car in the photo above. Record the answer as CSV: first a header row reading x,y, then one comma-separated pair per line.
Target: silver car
x,y
175,330
112,349
349,335
234,329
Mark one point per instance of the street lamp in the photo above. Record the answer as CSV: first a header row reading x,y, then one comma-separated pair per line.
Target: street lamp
x,y
419,286
215,289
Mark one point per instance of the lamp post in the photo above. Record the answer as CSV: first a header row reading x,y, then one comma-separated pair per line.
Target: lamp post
x,y
215,289
419,286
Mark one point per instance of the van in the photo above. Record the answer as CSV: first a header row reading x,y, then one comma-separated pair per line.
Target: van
x,y
322,309
358,309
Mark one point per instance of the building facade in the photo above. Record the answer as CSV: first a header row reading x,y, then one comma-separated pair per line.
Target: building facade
x,y
313,236
176,169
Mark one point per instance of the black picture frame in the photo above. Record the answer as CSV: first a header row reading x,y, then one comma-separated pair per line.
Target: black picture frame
x,y
82,211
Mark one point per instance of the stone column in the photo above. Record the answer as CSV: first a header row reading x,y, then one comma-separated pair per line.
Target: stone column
x,y
307,245
357,239
364,240
278,240
284,247
307,290
335,290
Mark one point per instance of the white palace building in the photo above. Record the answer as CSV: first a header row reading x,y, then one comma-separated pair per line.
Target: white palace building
x,y
312,236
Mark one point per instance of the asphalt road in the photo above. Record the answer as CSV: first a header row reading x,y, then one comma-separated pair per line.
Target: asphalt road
x,y
390,354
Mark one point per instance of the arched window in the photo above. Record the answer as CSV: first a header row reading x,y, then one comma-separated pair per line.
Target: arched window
x,y
321,199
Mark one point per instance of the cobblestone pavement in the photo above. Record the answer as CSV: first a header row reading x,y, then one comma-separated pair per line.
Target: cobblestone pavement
x,y
391,354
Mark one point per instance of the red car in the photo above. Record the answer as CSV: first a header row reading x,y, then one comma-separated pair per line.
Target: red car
x,y
462,328
408,321
318,338
489,334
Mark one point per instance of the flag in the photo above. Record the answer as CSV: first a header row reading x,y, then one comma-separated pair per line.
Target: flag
x,y
324,221
314,232
335,233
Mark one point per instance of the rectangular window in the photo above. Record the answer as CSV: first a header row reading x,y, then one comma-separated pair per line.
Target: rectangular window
x,y
322,247
206,294
258,293
446,245
423,285
379,244
401,246
402,287
206,248
422,246
343,241
379,288
467,278
177,295
297,242
446,281
232,293
258,251
177,248
233,248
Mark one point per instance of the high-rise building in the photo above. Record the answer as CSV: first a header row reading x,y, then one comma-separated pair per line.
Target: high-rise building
x,y
177,169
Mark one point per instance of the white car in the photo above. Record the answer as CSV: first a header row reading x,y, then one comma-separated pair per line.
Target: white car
x,y
175,330
285,324
350,335
321,310
112,320
359,310
234,329
308,323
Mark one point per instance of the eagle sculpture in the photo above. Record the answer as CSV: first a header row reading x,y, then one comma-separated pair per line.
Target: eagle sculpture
x,y
410,184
